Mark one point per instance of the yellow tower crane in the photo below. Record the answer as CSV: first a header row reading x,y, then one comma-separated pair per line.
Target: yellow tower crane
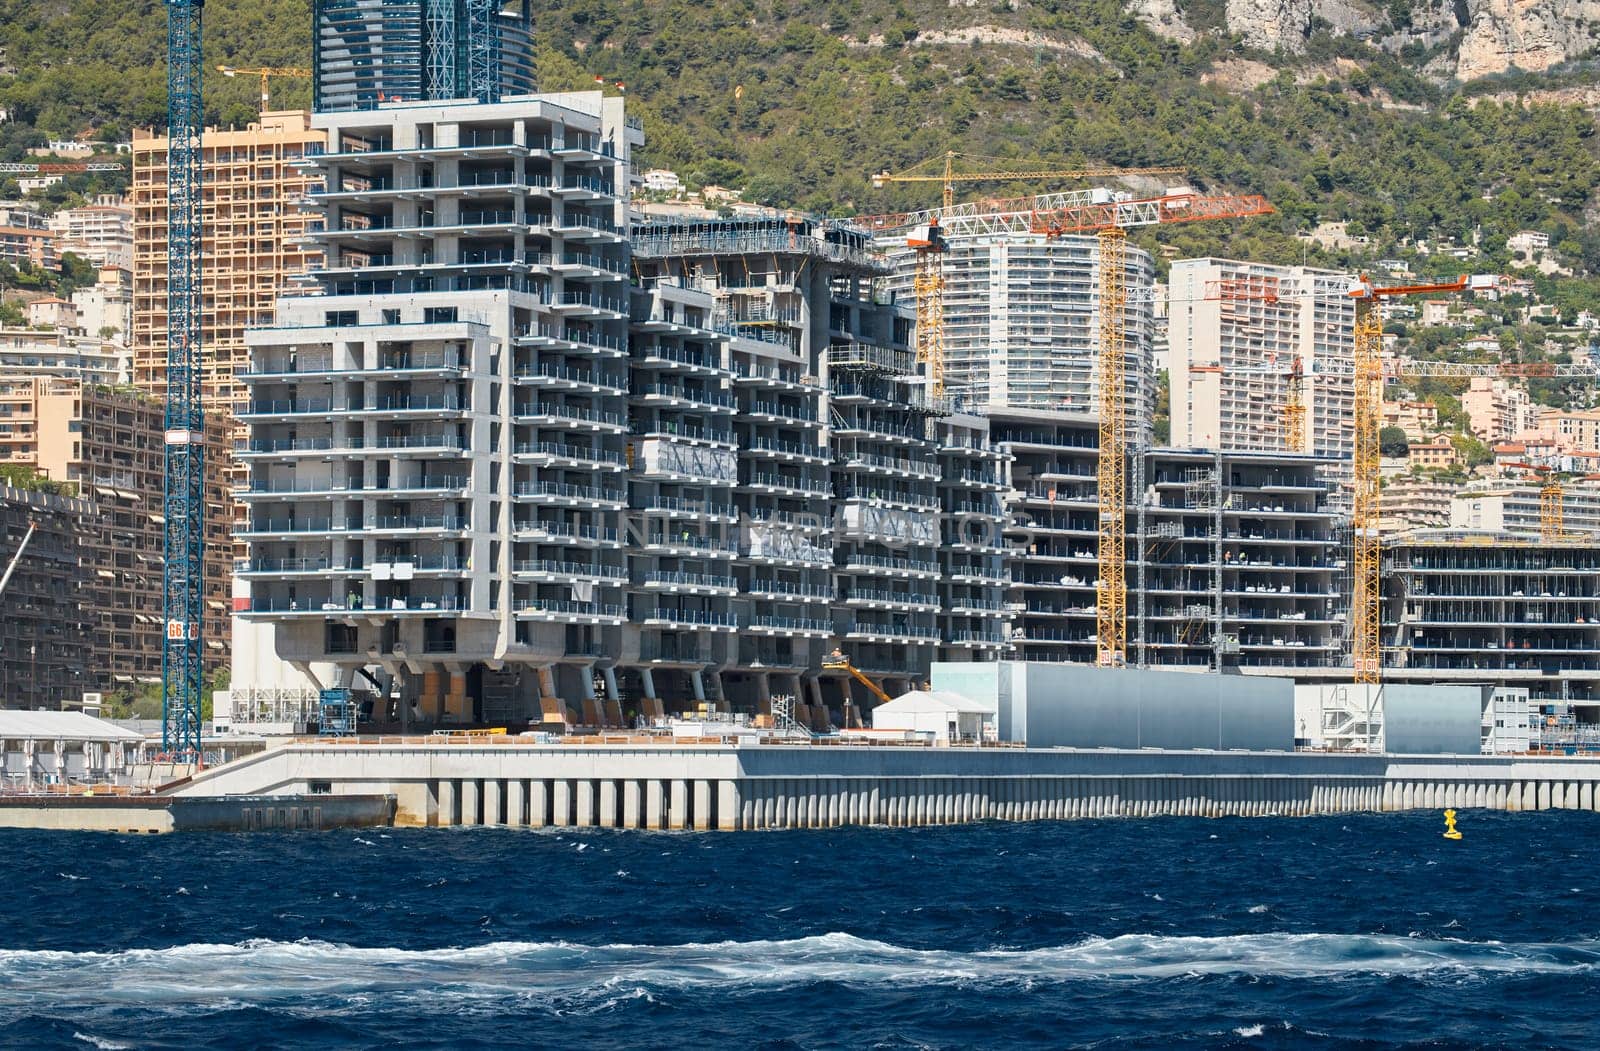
x,y
926,240
264,72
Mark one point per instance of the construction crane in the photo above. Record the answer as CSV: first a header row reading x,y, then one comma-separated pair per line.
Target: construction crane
x,y
11,168
183,533
997,171
33,527
264,72
927,242
1110,219
1367,546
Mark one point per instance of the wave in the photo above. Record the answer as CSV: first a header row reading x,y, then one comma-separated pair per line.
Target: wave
x,y
255,972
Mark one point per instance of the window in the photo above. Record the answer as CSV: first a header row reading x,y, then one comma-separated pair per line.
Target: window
x,y
437,315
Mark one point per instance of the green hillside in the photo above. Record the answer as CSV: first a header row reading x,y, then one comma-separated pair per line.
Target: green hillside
x,y
797,101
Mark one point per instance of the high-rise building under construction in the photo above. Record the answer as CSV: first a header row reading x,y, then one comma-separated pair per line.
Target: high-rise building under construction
x,y
368,52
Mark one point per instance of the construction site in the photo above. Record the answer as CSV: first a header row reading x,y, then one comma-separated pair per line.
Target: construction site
x,y
517,462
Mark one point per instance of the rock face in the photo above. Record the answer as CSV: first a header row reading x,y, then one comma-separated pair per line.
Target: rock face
x,y
1273,24
1163,18
1528,34
1496,35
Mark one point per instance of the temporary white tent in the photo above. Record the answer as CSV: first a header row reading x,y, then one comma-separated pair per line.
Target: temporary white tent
x,y
947,716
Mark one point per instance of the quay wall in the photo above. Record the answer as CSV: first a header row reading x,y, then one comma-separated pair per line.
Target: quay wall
x,y
156,814
731,787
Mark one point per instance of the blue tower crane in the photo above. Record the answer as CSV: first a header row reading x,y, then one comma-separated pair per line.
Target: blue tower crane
x,y
183,534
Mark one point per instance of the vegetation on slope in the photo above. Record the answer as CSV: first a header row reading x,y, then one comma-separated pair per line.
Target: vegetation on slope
x,y
798,101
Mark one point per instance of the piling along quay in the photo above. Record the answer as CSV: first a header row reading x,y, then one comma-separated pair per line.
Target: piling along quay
x,y
756,781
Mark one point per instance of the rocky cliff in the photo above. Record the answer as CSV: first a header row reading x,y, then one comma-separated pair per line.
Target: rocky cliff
x,y
1483,37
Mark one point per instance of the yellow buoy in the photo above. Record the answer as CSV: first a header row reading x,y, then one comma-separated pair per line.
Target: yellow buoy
x,y
1450,825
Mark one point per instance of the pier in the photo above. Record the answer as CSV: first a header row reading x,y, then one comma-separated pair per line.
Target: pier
x,y
734,787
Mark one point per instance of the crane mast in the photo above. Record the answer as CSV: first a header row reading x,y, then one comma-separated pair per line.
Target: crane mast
x,y
1111,592
1367,546
183,534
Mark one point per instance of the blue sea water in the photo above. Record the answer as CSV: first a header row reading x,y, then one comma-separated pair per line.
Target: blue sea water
x,y
1359,931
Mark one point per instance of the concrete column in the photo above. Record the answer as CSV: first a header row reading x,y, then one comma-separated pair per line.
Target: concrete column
x,y
561,802
608,675
702,804
697,683
471,812
492,814
608,803
1543,797
631,791
449,814
678,804
538,802
728,804
588,810
1586,796
517,802
654,804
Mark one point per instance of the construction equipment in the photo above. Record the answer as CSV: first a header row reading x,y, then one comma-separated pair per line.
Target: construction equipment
x,y
1110,218
265,73
928,243
926,238
183,532
33,527
998,171
837,661
1552,508
13,168
1367,554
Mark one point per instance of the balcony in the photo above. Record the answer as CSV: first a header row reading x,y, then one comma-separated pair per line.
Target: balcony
x,y
688,583
556,571
567,495
556,454
705,620
562,611
802,626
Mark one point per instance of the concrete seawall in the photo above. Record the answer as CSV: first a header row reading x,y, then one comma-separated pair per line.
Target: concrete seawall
x,y
774,786
152,814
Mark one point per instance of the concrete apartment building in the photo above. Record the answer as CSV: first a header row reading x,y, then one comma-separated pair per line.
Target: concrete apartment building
x,y
29,352
873,513
1573,428
1234,558
107,443
254,246
1488,606
107,307
1498,409
1514,508
487,471
26,239
44,652
459,380
1416,503
1022,322
101,233
1236,331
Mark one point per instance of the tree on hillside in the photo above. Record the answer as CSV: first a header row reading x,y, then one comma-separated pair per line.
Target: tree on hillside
x,y
1393,443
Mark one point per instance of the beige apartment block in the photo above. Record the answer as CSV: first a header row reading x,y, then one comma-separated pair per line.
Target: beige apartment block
x,y
1237,330
108,443
253,246
101,232
1498,409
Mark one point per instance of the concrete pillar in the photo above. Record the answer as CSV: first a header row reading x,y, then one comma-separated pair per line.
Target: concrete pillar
x,y
471,804
492,795
587,812
1542,799
608,804
631,791
561,802
1586,795
517,802
449,814
728,806
702,804
538,802
697,683
678,804
654,804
